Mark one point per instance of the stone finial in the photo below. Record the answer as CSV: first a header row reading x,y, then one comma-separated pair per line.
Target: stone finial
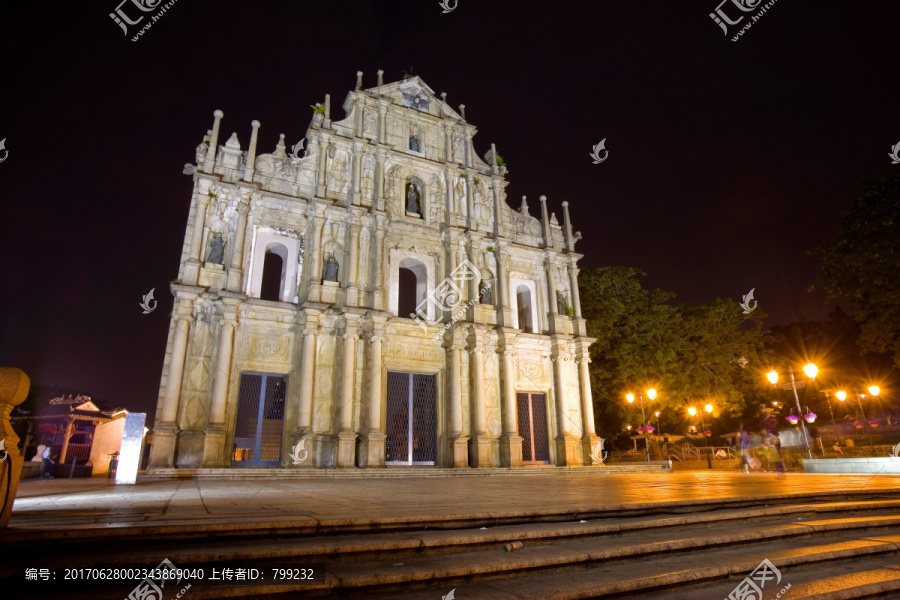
x,y
233,142
359,75
462,111
553,220
444,96
279,147
380,77
251,152
524,207
213,142
327,107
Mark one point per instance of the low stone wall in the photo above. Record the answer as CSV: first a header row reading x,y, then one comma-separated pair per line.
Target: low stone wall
x,y
872,465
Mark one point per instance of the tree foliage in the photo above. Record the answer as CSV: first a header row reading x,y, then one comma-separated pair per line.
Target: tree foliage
x,y
692,354
861,265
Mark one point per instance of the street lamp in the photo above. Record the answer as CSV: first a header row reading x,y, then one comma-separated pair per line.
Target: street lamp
x,y
874,390
693,412
811,371
651,394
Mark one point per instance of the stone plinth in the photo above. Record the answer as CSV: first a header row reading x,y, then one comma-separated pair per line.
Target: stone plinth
x,y
886,465
212,276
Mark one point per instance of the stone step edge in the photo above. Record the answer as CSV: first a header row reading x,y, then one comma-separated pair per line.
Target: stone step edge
x,y
29,536
477,538
889,583
646,584
279,473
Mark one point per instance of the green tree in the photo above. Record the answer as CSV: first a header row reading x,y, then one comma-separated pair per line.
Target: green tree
x,y
690,353
861,264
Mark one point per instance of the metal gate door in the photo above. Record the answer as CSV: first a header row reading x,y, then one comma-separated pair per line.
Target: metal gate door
x,y
260,420
532,409
411,419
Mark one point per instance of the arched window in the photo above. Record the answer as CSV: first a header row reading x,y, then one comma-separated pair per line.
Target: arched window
x,y
523,303
407,296
273,273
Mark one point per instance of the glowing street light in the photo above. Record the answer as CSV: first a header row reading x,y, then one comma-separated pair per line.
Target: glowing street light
x,y
708,408
841,395
692,411
811,371
651,394
874,390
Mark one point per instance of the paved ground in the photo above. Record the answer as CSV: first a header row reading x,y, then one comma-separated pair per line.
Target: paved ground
x,y
92,503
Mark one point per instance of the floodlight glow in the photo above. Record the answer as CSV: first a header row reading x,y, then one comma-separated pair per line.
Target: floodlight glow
x,y
874,390
630,398
651,393
841,395
692,411
811,370
773,376
708,408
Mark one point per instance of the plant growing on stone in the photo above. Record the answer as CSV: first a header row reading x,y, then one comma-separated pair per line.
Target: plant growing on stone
x,y
318,108
500,161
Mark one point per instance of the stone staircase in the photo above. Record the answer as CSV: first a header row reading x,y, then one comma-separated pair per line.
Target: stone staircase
x,y
827,547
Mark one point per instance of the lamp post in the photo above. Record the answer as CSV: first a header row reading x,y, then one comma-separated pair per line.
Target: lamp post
x,y
651,394
693,412
811,371
874,390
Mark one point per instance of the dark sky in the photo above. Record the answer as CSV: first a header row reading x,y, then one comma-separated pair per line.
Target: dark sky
x,y
727,160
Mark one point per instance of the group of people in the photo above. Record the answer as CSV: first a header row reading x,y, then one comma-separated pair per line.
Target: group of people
x,y
770,451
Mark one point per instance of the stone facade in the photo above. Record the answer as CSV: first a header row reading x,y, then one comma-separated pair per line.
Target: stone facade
x,y
388,208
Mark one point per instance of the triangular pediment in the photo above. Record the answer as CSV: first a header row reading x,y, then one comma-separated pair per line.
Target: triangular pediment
x,y
412,92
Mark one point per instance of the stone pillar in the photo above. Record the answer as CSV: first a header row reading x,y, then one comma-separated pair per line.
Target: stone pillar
x,y
213,143
347,436
315,258
251,153
162,452
458,440
323,158
356,153
352,296
504,315
380,259
378,202
307,376
372,443
566,444
192,265
573,283
214,441
551,284
468,149
589,437
470,201
382,122
510,440
14,385
235,272
480,444
448,148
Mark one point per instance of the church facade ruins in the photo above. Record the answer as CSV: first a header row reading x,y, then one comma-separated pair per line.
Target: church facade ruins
x,y
367,298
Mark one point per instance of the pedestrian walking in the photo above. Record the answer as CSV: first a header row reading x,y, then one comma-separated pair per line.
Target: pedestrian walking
x,y
744,441
838,451
47,456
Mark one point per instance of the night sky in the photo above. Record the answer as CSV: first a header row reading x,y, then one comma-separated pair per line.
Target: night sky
x,y
728,161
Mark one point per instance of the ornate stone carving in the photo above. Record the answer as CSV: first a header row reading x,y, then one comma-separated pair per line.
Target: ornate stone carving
x,y
268,347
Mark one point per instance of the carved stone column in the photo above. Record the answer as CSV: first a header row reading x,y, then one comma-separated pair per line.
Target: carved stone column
x,y
162,452
192,265
510,440
573,283
504,315
380,260
214,438
14,386
589,437
480,443
382,122
356,154
323,158
457,438
307,374
235,272
352,295
566,443
371,445
315,258
347,436
378,201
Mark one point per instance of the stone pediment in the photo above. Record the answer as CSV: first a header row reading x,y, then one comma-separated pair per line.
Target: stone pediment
x,y
415,93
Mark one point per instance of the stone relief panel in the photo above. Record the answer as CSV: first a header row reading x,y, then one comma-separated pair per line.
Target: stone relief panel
x,y
421,351
267,347
492,393
338,170
324,389
198,369
531,371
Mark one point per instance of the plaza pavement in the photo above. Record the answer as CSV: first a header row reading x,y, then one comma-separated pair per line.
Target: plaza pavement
x,y
91,504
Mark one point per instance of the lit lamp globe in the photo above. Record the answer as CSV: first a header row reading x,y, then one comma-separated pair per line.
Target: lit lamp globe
x,y
874,390
773,376
708,408
651,393
692,411
841,395
630,398
811,370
